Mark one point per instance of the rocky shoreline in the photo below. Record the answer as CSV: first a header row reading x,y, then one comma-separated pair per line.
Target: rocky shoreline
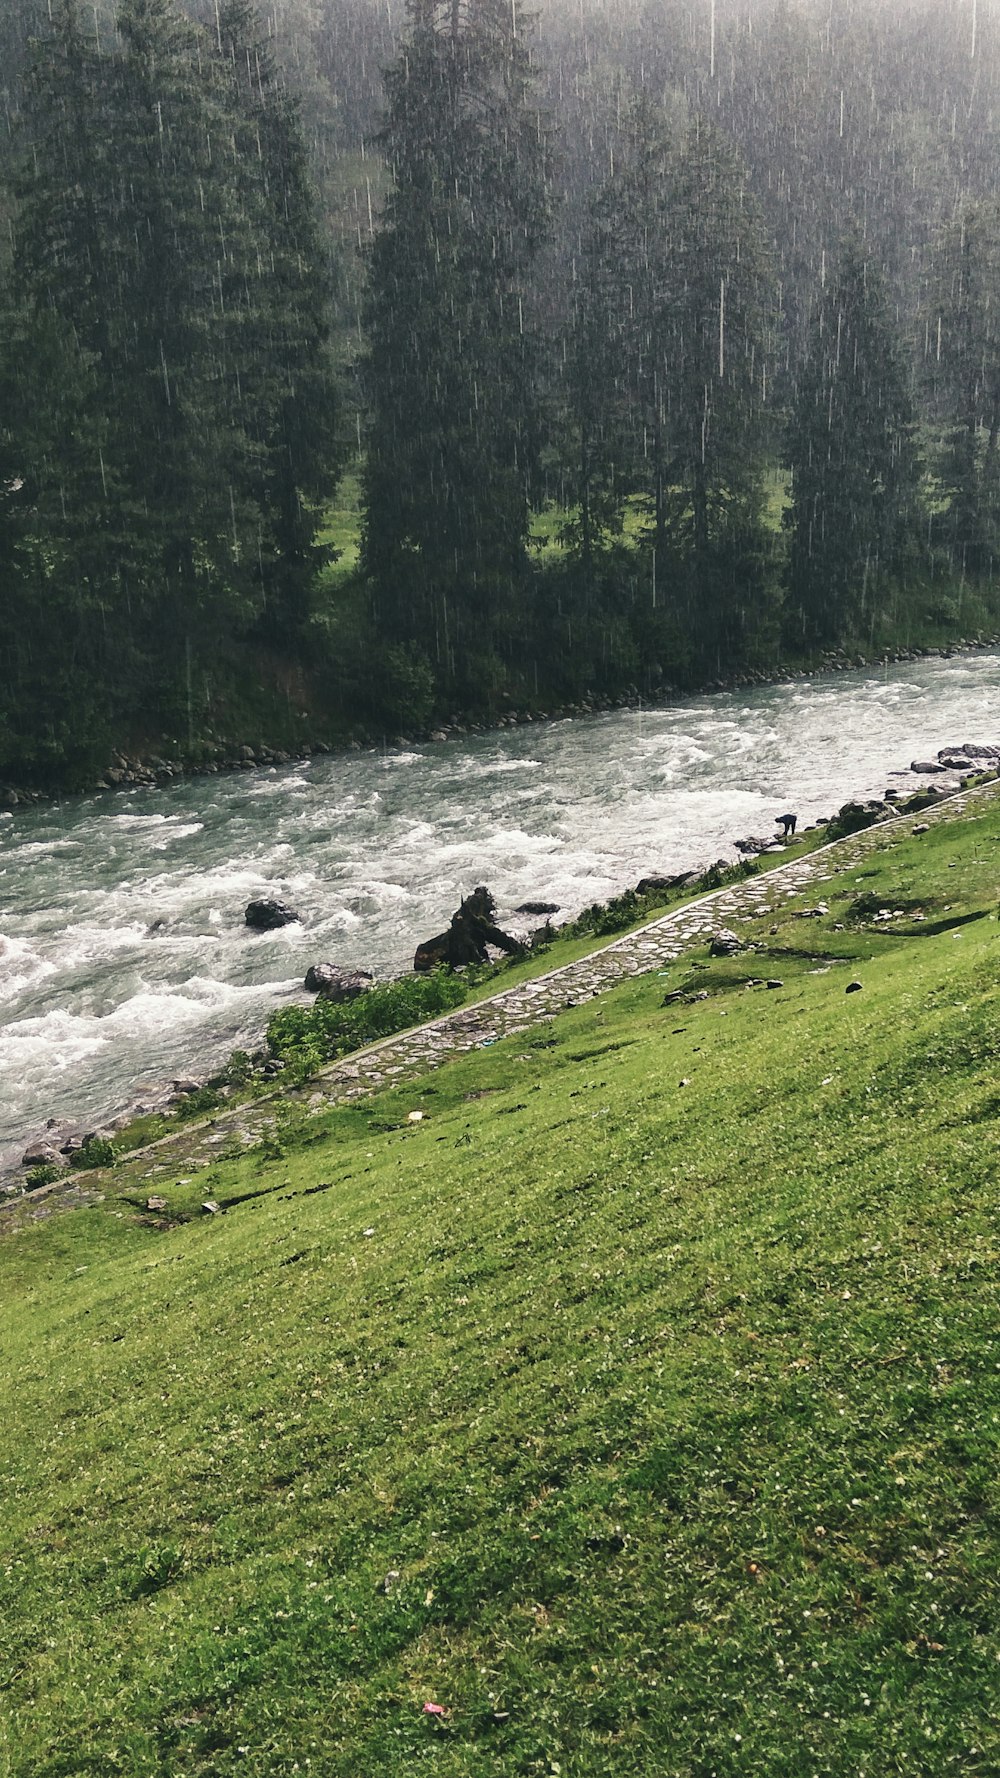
x,y
125,771
63,1145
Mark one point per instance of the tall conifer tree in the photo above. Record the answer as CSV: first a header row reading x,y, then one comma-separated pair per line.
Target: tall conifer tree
x,y
853,461
451,362
290,400
963,349
683,370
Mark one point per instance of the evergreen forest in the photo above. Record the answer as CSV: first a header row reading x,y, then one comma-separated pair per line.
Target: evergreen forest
x,y
367,366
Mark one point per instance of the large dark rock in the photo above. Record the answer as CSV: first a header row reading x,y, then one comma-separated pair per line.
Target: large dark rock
x,y
967,750
659,885
41,1154
725,943
473,927
537,907
331,983
267,916
853,817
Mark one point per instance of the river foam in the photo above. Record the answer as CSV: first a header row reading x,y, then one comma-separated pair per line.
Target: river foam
x,y
124,957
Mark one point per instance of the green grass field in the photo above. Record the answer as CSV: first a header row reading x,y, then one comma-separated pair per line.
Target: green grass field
x,y
639,1406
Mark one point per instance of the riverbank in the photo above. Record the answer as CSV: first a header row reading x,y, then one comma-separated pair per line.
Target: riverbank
x,y
126,965
663,1335
509,999
148,769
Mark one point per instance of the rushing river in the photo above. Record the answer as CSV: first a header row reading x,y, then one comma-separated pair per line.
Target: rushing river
x,y
124,959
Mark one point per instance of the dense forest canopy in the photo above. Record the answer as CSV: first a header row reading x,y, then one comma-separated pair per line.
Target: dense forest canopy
x,y
604,345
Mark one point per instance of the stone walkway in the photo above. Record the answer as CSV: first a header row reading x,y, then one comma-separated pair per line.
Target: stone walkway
x,y
505,1014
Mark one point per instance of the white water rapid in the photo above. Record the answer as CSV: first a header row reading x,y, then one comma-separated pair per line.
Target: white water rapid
x,y
124,958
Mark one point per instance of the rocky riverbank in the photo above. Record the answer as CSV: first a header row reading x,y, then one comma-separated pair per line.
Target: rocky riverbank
x,y
63,1145
708,919
136,771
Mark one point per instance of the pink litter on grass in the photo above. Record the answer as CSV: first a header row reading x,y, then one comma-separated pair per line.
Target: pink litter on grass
x,y
435,1710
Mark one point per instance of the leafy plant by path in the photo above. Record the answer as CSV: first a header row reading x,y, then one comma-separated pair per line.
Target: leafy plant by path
x,y
306,1037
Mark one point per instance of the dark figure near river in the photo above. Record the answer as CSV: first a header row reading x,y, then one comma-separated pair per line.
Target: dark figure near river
x,y
786,823
473,927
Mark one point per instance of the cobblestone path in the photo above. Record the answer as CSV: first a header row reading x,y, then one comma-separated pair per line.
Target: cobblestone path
x,y
505,1014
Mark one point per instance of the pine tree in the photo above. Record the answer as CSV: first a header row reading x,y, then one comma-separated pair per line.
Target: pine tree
x,y
185,254
132,256
169,387
594,402
451,360
963,354
853,460
686,350
290,399
64,642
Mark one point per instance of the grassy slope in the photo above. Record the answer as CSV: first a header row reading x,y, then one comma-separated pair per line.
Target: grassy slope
x,y
673,1408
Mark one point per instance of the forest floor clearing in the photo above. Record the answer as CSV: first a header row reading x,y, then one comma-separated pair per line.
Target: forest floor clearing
x,y
628,1390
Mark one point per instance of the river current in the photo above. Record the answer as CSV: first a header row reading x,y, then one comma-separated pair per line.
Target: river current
x,y
124,957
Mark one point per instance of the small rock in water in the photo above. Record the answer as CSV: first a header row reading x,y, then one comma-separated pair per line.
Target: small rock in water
x,y
338,985
537,907
267,915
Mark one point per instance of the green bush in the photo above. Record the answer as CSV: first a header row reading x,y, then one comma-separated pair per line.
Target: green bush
x,y
98,1152
401,687
196,1104
238,1069
43,1175
307,1036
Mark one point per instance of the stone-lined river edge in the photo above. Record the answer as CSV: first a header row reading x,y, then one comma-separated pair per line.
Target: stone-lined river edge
x,y
508,1013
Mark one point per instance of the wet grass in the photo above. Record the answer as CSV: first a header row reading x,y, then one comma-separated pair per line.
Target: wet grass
x,y
638,1405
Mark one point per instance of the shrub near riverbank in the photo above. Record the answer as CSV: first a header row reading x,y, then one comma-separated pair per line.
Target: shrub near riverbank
x,y
638,1406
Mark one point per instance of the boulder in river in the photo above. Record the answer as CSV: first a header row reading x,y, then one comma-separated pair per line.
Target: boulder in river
x,y
473,927
537,907
955,762
267,915
967,750
42,1154
331,983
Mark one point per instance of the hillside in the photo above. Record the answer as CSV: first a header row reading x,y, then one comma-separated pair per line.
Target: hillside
x,y
638,1406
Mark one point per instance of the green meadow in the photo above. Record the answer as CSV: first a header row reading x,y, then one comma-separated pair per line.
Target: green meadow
x,y
638,1407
